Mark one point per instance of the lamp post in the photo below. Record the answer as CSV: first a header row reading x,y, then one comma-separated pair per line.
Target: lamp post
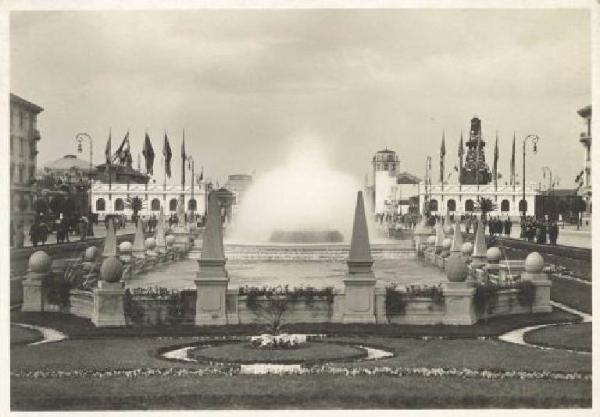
x,y
534,140
79,138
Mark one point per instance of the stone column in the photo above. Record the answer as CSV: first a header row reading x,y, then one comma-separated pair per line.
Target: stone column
x,y
339,298
534,265
108,297
380,313
231,305
359,286
33,284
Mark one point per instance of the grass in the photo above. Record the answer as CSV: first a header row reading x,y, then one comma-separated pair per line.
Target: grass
x,y
132,353
302,392
575,337
582,268
310,352
22,336
76,327
572,293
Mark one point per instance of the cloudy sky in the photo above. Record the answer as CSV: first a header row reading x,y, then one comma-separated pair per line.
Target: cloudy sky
x,y
246,85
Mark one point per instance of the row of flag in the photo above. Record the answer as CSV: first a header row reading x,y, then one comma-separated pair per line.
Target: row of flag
x,y
461,152
123,154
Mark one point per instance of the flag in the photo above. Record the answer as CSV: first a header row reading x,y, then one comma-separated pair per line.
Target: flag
x,y
124,151
512,161
108,151
461,152
183,156
167,155
442,157
148,153
183,160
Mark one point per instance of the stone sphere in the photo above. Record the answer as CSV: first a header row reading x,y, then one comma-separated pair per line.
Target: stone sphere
x,y
447,243
493,255
448,229
150,243
431,240
125,247
466,249
111,270
91,253
170,239
39,261
534,262
456,268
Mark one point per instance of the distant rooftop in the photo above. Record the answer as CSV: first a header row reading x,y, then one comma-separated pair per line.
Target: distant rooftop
x,y
66,163
407,178
15,99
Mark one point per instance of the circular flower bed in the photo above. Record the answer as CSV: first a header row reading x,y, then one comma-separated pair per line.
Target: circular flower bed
x,y
244,353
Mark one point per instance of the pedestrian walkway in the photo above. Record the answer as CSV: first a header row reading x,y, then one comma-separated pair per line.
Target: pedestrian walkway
x,y
99,232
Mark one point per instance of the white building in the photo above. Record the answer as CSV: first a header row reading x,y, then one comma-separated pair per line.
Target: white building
x,y
117,198
461,199
391,191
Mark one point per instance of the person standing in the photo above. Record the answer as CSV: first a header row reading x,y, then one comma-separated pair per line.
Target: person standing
x,y
19,235
34,233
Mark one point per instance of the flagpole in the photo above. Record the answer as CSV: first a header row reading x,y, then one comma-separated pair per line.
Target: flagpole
x,y
146,162
183,167
108,164
192,197
164,168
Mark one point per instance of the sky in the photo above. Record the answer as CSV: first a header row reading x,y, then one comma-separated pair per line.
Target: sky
x,y
248,84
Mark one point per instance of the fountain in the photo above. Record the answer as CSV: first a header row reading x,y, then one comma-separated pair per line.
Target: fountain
x,y
303,201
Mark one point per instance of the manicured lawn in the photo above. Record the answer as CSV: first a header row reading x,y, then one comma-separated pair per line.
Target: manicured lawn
x,y
76,327
242,352
131,353
572,293
305,392
575,337
22,336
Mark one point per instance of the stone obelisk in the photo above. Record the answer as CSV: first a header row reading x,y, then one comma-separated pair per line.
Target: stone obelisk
x,y
110,241
359,285
139,248
212,278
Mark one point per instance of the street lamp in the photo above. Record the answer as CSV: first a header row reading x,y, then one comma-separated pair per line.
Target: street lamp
x,y
79,138
534,140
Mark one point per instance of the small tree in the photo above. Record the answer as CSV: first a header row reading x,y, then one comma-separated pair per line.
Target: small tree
x,y
484,205
136,205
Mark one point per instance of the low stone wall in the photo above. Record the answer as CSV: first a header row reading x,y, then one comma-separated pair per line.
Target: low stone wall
x,y
319,310
81,303
419,311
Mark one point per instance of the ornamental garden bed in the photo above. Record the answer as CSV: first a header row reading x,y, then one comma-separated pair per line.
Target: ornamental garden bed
x,y
243,353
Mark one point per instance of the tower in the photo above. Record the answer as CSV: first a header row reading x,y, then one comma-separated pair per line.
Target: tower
x,y
475,169
385,169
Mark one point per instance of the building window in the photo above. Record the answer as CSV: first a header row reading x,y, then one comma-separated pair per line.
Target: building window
x,y
433,205
100,204
505,205
192,205
12,172
155,204
119,204
31,172
523,206
469,205
173,204
451,205
21,146
21,119
32,149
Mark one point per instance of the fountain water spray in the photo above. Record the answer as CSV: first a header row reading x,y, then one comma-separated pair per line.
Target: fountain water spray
x,y
304,195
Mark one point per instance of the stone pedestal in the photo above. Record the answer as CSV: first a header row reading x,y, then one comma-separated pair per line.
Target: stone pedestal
x,y
33,292
211,303
359,291
459,304
182,237
541,302
211,293
108,304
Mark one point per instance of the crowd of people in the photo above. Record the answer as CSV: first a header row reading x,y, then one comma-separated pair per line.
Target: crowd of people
x,y
539,230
